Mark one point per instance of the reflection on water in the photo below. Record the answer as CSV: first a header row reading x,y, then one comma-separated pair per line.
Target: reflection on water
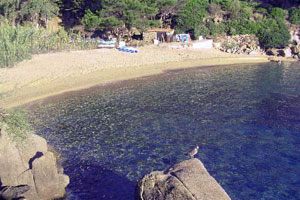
x,y
246,120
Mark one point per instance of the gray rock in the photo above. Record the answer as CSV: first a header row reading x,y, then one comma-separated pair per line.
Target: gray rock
x,y
238,44
186,180
295,49
13,192
253,53
47,180
287,52
30,163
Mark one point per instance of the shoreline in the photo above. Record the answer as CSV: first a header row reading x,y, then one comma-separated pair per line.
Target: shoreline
x,y
37,88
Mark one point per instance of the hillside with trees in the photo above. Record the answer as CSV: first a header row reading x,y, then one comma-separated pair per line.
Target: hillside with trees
x,y
23,21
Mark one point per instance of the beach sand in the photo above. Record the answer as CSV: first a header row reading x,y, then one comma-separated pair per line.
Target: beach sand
x,y
55,73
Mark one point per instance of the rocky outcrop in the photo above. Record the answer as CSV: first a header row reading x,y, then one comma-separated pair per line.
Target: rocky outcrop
x,y
238,44
13,192
29,164
187,180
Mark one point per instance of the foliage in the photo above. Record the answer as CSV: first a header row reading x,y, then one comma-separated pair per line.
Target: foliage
x,y
261,11
14,44
191,14
242,27
214,9
18,43
162,4
216,29
91,19
277,13
274,34
31,10
237,11
202,30
294,16
8,9
119,16
18,127
225,4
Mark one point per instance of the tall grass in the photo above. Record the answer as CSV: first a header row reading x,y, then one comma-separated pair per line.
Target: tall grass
x,y
18,43
16,124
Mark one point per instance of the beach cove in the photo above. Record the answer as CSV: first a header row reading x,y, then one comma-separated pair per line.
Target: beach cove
x,y
244,118
55,73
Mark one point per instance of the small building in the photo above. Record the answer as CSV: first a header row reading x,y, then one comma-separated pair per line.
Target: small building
x,y
160,34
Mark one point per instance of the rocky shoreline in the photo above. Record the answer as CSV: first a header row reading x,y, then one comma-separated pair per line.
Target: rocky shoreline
x,y
186,180
249,45
29,169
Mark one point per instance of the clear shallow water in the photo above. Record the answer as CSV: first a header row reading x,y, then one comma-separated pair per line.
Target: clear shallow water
x,y
246,120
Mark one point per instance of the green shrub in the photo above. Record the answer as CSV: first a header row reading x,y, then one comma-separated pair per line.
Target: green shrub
x,y
91,19
261,11
238,11
18,126
191,15
201,30
214,9
18,42
242,27
216,29
294,16
277,13
225,4
273,34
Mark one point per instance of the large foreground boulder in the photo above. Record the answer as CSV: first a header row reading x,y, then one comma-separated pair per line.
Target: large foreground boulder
x,y
28,169
187,180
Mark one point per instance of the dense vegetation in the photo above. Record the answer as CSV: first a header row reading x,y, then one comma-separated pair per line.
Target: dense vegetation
x,y
24,30
24,26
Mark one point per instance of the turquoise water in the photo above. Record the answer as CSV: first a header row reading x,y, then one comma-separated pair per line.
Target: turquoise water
x,y
246,120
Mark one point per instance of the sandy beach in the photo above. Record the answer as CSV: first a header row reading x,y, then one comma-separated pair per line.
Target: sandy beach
x,y
55,73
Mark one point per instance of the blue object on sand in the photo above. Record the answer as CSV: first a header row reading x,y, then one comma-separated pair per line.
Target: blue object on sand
x,y
128,49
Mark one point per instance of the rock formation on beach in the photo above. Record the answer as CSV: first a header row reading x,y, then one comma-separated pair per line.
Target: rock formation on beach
x,y
29,169
187,180
238,44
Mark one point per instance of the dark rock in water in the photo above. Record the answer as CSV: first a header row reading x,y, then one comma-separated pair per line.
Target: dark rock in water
x,y
29,163
187,180
13,192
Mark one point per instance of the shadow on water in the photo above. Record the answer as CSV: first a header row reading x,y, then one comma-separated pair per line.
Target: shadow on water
x,y
93,181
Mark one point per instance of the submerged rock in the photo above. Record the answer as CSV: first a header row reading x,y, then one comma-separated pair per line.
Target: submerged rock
x,y
30,163
187,180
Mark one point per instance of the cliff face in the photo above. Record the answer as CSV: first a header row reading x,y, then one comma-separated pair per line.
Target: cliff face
x,y
186,180
29,164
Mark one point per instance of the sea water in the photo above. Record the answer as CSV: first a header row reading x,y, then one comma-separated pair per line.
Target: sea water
x,y
245,119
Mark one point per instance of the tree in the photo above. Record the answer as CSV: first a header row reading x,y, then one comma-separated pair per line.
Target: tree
x,y
274,34
39,9
191,14
30,10
119,16
277,13
91,19
294,16
166,8
9,9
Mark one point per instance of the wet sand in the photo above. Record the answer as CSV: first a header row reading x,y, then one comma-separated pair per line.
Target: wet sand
x,y
55,73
